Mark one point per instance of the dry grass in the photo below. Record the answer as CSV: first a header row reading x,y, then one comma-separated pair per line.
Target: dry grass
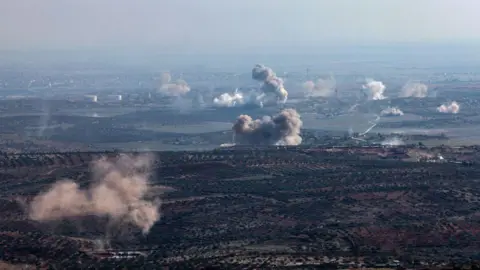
x,y
9,266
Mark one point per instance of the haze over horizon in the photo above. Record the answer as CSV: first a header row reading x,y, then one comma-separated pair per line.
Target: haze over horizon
x,y
185,26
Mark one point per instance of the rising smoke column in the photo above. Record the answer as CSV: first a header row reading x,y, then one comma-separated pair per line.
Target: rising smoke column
x,y
271,83
417,90
391,111
282,129
322,88
177,88
453,107
198,102
374,89
117,193
44,118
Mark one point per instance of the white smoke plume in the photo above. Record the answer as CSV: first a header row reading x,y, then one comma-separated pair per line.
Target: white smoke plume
x,y
282,129
177,88
237,99
271,83
375,89
227,144
44,118
453,107
417,90
198,102
391,111
228,100
373,124
118,193
395,141
322,88
353,108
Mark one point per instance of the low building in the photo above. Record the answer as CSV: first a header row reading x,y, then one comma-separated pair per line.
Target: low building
x,y
91,98
113,98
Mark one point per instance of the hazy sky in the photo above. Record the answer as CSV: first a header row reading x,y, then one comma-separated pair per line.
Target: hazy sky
x,y
237,25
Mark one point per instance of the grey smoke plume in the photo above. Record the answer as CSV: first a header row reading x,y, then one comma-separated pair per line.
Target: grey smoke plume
x,y
418,90
375,89
282,129
271,83
391,111
322,88
177,88
453,107
117,193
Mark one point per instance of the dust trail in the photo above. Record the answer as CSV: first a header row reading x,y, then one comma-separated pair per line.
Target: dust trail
x,y
373,124
353,108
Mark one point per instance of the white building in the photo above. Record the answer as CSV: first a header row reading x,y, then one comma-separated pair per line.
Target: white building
x,y
113,98
91,98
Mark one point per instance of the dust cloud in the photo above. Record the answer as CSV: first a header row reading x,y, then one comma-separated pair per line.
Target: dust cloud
x,y
118,193
321,88
417,90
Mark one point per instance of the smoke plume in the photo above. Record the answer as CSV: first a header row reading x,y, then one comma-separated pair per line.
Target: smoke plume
x,y
418,90
165,78
271,83
374,89
118,193
177,88
44,118
453,107
322,88
238,98
391,111
198,102
395,141
229,100
282,129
